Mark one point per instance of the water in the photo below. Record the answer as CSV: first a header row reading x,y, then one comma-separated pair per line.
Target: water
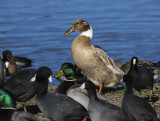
x,y
123,28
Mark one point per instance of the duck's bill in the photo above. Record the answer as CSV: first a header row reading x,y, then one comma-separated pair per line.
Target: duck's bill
x,y
60,73
69,31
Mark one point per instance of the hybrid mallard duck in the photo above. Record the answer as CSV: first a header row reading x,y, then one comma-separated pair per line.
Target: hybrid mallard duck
x,y
92,60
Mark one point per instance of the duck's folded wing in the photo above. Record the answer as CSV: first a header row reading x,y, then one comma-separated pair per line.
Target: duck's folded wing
x,y
102,55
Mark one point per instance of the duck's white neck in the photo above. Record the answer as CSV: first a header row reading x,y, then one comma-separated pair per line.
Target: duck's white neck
x,y
88,33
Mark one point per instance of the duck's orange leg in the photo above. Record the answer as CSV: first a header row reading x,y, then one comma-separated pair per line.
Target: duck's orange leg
x,y
100,88
85,119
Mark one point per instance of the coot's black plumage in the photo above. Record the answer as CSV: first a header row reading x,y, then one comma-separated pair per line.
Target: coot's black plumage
x,y
58,107
102,111
135,105
140,76
24,84
22,62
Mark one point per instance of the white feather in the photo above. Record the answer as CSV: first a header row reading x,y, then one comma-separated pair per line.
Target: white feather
x,y
50,79
33,79
134,61
6,64
88,33
82,86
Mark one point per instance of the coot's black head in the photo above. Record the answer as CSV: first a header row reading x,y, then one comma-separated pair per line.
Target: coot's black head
x,y
43,73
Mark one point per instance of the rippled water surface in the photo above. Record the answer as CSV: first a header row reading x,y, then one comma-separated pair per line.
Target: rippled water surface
x,y
123,28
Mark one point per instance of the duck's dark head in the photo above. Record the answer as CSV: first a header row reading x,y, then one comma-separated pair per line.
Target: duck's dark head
x,y
78,25
68,71
5,55
6,99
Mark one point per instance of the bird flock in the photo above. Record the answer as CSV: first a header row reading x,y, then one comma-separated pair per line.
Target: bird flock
x,y
79,97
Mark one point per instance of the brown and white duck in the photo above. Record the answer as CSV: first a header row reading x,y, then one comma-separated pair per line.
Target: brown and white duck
x,y
92,60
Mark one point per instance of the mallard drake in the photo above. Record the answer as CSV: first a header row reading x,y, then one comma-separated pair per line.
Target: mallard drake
x,y
140,76
154,67
22,62
2,72
24,84
135,105
8,109
58,107
92,60
70,86
100,110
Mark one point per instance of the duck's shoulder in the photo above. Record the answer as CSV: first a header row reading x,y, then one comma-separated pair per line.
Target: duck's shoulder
x,y
98,51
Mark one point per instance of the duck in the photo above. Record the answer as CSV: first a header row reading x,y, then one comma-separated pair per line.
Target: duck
x,y
154,67
100,110
69,72
11,66
140,76
92,60
58,107
22,62
8,110
2,72
136,105
70,86
24,84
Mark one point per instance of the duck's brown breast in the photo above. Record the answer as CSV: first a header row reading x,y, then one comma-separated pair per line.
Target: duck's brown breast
x,y
86,58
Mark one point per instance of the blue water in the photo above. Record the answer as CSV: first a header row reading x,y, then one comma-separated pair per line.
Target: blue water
x,y
123,28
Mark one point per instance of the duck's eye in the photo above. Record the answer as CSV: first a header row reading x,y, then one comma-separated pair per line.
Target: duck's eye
x,y
77,23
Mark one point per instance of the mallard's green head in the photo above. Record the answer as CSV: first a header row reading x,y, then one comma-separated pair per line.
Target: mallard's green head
x,y
6,99
67,70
